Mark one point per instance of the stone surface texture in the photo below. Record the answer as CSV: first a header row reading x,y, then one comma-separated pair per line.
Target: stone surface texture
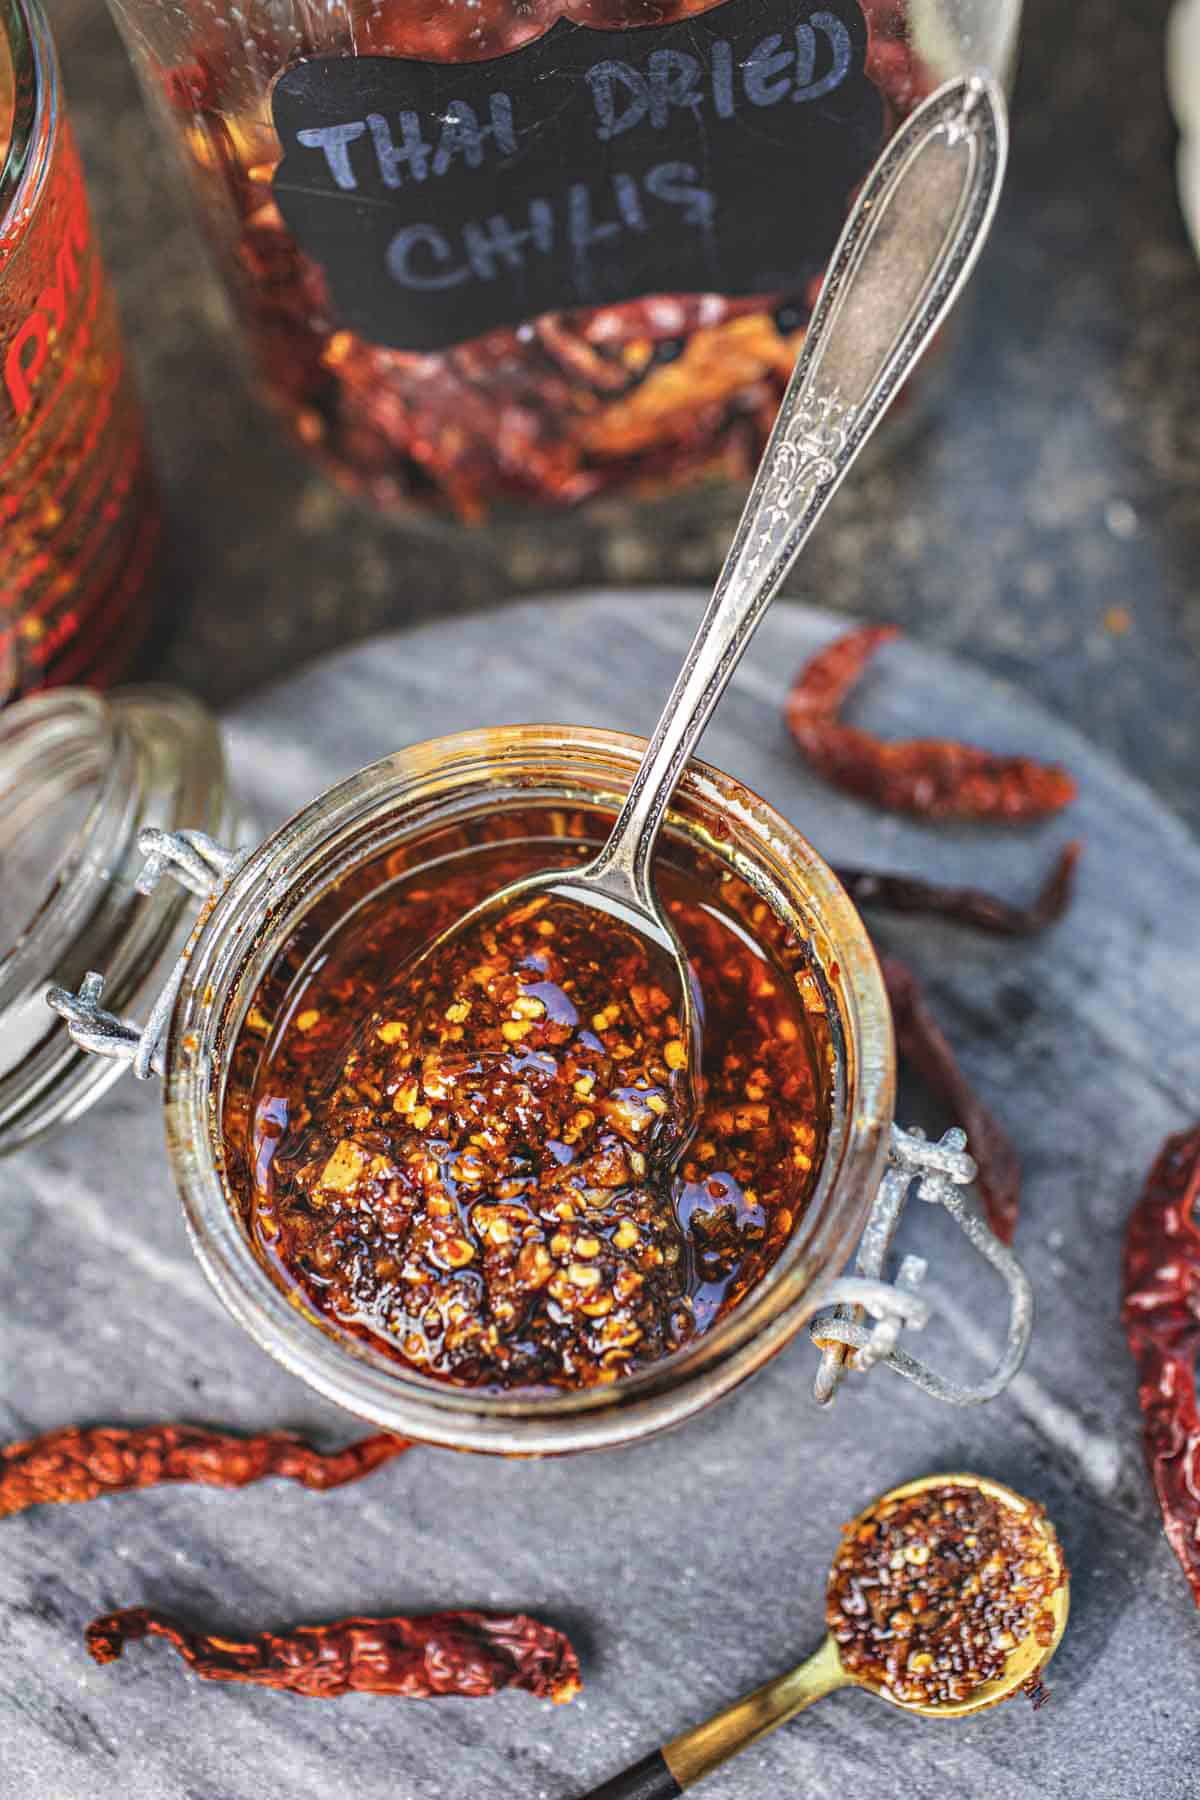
x,y
692,1567
1046,525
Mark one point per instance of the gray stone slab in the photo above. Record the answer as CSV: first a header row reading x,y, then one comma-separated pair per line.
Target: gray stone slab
x,y
692,1567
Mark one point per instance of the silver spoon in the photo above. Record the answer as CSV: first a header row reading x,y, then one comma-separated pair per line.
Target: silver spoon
x,y
909,245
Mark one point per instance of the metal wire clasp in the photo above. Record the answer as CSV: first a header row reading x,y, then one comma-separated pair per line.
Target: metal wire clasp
x,y
206,868
942,1172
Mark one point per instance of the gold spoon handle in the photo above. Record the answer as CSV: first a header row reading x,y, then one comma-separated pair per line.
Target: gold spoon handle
x,y
687,1759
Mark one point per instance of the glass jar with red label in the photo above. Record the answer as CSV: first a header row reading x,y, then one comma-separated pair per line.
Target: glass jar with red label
x,y
488,254
78,517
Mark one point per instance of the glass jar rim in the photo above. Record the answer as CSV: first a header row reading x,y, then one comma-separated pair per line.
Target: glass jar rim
x,y
357,821
36,102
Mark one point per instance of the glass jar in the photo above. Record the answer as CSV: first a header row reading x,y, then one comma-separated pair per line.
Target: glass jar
x,y
493,254
79,522
305,879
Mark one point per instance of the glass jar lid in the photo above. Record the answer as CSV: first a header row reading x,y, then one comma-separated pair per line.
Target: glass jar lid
x,y
80,776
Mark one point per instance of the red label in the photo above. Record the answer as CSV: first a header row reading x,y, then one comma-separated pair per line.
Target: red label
x,y
29,348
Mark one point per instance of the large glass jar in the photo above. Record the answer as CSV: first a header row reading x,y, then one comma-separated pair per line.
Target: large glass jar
x,y
79,521
492,253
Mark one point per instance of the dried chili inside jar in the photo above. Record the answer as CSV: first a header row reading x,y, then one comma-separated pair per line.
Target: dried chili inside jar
x,y
513,252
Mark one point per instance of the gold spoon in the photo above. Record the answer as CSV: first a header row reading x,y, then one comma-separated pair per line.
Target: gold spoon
x,y
687,1759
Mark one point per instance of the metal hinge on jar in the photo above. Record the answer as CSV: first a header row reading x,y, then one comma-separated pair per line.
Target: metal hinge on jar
x,y
204,867
940,1173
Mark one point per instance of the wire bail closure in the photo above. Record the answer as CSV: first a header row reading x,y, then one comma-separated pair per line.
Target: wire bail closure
x,y
942,1172
205,868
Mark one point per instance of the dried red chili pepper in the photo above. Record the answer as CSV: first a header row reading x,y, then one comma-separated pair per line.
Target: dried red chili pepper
x,y
81,1464
935,777
1161,1314
968,906
469,1653
923,1044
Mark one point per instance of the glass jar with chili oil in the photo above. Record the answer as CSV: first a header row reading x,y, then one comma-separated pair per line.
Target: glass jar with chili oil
x,y
494,254
288,965
363,869
646,1288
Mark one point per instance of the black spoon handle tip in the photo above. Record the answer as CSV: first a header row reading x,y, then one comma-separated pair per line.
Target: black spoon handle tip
x,y
649,1779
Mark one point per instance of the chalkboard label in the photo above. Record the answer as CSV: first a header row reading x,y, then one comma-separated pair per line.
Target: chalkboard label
x,y
716,154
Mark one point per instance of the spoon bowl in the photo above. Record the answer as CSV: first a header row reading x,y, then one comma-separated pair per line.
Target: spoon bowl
x,y
1026,1662
647,922
1031,1655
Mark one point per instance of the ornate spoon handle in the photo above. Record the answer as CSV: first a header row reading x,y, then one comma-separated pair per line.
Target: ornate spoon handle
x,y
908,247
